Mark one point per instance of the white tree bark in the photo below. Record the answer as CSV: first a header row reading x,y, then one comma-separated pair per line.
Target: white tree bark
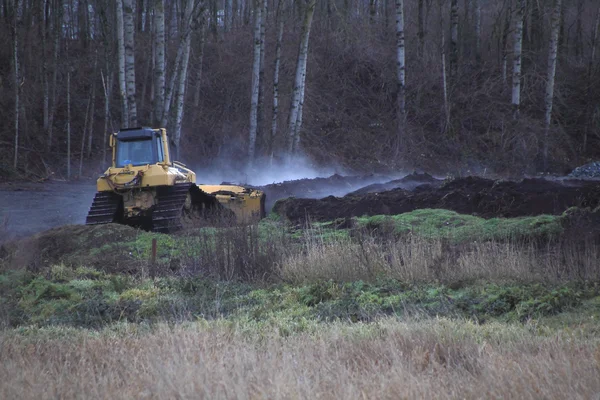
x,y
159,66
130,60
121,57
300,76
276,83
517,50
552,56
258,7
182,74
401,76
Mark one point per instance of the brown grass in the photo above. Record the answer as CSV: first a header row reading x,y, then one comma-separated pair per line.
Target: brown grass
x,y
417,259
388,359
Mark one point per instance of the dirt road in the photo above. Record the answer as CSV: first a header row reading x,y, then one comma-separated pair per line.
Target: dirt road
x,y
29,208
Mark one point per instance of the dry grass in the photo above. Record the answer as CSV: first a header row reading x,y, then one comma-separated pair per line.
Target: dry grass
x,y
387,359
417,259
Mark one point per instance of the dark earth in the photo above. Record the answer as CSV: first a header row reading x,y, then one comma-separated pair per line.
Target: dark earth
x,y
27,208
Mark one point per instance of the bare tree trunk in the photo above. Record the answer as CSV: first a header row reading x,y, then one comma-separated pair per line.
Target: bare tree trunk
x,y
170,90
401,77
121,56
228,15
552,55
92,113
182,73
261,74
200,66
181,93
446,123
159,66
453,37
106,87
83,135
68,111
300,77
57,29
298,126
130,60
258,7
15,35
517,50
477,25
276,82
45,80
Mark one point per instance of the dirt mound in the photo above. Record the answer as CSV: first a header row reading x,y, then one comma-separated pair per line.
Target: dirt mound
x,y
316,188
471,195
409,182
100,246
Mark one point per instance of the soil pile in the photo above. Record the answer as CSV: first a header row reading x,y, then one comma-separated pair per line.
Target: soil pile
x,y
409,182
100,246
471,195
316,188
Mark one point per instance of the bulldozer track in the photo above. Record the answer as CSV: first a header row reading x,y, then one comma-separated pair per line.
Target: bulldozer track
x,y
166,216
104,208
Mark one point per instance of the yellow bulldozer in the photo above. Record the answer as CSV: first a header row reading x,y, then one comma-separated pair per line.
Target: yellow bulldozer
x,y
145,188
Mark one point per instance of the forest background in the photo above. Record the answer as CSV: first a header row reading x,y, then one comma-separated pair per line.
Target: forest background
x,y
510,86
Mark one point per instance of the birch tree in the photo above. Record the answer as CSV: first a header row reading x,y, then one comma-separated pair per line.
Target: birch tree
x,y
121,57
401,76
159,65
130,60
261,73
190,15
300,76
517,50
276,79
552,56
258,7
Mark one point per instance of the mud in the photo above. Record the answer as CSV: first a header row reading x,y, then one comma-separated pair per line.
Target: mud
x,y
472,195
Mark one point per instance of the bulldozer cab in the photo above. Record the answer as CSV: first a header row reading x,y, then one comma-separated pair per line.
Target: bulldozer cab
x,y
140,146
